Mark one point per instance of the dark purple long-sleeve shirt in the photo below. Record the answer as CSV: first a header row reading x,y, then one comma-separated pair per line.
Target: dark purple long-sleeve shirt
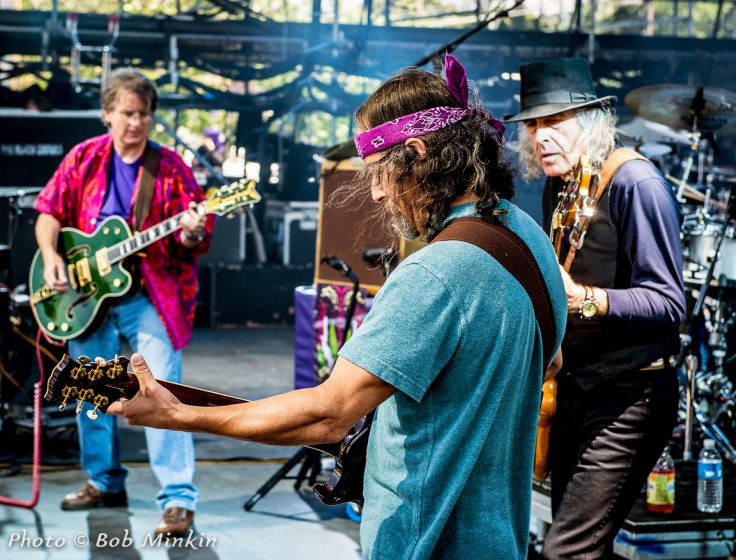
x,y
644,213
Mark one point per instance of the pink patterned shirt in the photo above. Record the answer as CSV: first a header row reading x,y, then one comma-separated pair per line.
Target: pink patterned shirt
x,y
75,194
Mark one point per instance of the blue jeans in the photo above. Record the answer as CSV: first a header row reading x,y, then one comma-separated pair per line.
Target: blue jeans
x,y
171,454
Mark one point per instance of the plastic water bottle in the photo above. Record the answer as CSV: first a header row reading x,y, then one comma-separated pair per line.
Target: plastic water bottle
x,y
710,478
661,484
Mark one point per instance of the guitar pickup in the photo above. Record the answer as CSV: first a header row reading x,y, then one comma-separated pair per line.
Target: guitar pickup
x,y
84,275
103,263
72,275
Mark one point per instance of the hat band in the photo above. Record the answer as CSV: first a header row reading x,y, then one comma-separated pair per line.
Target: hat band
x,y
556,97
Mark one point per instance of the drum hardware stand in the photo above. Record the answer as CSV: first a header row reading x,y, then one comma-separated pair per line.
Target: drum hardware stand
x,y
690,361
691,365
696,105
718,322
312,458
717,338
711,430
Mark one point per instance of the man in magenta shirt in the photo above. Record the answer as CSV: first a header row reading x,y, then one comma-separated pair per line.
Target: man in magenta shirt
x,y
97,179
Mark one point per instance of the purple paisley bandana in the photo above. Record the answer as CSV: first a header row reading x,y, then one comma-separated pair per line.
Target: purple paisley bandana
x,y
423,122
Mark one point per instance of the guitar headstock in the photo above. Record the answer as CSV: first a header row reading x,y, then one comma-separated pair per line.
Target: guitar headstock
x,y
100,382
569,197
583,173
228,198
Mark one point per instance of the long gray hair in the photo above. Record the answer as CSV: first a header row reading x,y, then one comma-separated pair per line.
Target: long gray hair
x,y
597,139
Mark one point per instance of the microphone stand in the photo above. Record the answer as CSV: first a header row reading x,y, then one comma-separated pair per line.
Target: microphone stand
x,y
312,458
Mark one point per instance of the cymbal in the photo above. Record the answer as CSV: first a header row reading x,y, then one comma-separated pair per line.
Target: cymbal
x,y
654,149
639,130
671,105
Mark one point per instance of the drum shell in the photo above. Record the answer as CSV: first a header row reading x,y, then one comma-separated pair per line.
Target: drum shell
x,y
700,249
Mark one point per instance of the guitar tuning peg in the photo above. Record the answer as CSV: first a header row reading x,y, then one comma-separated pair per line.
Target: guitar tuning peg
x,y
99,400
100,361
83,360
84,395
67,393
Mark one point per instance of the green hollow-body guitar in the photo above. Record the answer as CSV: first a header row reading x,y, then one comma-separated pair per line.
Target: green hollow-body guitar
x,y
94,264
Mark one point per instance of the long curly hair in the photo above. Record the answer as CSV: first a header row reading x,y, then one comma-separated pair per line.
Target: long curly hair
x,y
465,158
597,139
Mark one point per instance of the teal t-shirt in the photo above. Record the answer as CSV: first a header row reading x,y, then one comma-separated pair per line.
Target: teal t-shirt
x,y
450,454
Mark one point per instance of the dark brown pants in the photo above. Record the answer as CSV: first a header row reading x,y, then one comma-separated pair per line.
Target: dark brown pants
x,y
604,444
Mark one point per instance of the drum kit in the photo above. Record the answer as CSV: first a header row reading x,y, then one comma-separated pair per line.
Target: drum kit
x,y
683,129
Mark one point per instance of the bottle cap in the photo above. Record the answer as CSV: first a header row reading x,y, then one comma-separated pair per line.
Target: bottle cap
x,y
708,443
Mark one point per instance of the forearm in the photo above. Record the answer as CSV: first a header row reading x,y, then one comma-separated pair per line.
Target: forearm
x,y
47,233
295,418
322,414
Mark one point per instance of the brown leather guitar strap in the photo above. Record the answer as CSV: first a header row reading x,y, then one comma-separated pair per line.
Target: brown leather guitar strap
x,y
514,255
614,161
151,159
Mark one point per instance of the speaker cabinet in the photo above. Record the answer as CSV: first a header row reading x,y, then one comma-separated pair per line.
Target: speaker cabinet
x,y
228,241
352,231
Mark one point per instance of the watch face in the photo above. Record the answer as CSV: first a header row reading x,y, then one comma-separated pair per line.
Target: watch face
x,y
589,309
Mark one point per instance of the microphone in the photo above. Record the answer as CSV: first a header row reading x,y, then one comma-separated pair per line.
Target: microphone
x,y
376,254
339,265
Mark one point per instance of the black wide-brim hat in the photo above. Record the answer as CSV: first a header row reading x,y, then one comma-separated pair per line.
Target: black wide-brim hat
x,y
555,86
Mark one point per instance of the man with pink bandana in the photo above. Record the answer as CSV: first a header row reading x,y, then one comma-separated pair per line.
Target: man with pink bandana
x,y
97,179
450,354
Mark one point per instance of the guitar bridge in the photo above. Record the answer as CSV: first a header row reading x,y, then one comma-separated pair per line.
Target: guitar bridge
x,y
44,292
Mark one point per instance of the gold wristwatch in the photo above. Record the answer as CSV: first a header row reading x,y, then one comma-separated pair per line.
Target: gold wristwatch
x,y
589,307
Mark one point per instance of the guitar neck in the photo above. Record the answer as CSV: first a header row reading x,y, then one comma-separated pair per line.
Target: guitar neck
x,y
194,396
135,243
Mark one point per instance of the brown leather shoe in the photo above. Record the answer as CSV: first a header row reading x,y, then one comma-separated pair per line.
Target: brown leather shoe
x,y
88,497
175,522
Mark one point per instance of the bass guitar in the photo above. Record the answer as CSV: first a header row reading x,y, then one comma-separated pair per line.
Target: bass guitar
x,y
103,382
93,263
544,426
574,211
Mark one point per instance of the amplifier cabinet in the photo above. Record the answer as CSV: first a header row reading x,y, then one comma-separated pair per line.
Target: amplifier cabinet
x,y
351,231
228,240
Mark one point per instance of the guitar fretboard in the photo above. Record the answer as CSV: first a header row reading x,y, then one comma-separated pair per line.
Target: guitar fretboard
x,y
136,242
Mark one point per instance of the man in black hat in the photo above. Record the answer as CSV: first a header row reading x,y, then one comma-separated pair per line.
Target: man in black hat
x,y
619,250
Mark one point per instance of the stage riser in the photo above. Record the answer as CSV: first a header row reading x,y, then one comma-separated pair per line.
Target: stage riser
x,y
694,536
